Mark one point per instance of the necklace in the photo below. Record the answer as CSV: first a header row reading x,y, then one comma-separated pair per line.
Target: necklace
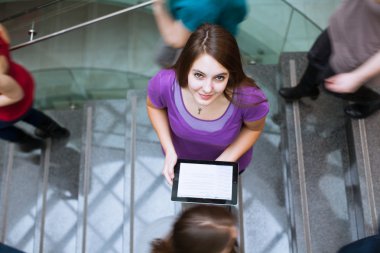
x,y
199,110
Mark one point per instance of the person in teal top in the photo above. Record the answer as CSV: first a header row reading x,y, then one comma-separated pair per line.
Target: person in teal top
x,y
181,17
226,13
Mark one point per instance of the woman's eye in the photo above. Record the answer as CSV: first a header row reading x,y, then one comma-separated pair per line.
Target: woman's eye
x,y
219,78
198,75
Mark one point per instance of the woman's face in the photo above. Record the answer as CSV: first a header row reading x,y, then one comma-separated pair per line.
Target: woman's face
x,y
207,79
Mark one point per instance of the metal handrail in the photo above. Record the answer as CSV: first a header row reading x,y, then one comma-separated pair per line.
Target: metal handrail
x,y
113,14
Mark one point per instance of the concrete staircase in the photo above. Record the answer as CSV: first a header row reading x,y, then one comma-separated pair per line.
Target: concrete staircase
x,y
103,191
312,185
331,169
78,198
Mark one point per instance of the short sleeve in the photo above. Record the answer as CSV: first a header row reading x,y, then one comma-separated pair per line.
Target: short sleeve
x,y
159,87
154,91
195,13
254,104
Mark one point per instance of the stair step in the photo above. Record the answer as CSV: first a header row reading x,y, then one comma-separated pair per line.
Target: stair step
x,y
265,216
365,148
58,188
4,186
318,160
153,210
39,205
19,202
104,177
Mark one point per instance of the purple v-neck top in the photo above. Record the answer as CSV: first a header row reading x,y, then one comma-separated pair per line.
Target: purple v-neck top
x,y
199,139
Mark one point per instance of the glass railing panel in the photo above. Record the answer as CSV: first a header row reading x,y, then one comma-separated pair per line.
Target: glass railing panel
x,y
13,9
71,87
301,34
99,61
58,15
48,19
261,34
316,10
272,27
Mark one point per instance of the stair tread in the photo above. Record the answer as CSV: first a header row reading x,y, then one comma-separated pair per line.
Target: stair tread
x,y
325,157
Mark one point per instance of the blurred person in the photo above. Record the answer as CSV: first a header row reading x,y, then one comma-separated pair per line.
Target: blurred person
x,y
200,229
182,17
205,107
16,100
345,57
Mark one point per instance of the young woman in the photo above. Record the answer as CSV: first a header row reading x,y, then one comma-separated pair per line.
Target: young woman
x,y
205,107
200,229
16,100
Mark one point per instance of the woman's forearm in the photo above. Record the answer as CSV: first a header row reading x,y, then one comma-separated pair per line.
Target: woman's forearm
x,y
160,123
369,69
247,137
3,65
173,32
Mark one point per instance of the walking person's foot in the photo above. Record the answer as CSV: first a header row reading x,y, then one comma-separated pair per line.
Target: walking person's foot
x,y
298,92
29,143
361,110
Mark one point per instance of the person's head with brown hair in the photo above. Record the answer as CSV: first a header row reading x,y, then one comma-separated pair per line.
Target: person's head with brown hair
x,y
215,41
200,229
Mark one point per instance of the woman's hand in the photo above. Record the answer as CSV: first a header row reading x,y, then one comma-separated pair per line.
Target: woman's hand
x,y
160,123
170,161
10,91
351,81
343,83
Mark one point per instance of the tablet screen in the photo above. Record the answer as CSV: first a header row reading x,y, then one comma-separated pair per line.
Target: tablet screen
x,y
205,182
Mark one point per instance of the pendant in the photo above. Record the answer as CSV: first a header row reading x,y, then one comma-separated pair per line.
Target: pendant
x,y
199,110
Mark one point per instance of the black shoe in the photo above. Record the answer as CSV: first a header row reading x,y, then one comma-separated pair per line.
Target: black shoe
x,y
29,144
361,110
53,131
298,92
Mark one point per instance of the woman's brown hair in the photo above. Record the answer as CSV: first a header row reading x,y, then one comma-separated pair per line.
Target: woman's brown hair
x,y
217,42
199,229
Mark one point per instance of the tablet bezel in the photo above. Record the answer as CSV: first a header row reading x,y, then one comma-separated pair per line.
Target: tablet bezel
x,y
235,178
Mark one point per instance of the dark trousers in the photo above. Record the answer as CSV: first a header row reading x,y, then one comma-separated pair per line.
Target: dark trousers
x,y
318,69
369,244
6,249
33,117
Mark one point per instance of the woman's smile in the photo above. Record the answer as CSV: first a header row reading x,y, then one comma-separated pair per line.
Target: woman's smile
x,y
205,97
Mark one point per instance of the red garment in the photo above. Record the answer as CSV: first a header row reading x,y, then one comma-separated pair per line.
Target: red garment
x,y
23,77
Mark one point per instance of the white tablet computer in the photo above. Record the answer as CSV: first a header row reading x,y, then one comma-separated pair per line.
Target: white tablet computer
x,y
212,182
